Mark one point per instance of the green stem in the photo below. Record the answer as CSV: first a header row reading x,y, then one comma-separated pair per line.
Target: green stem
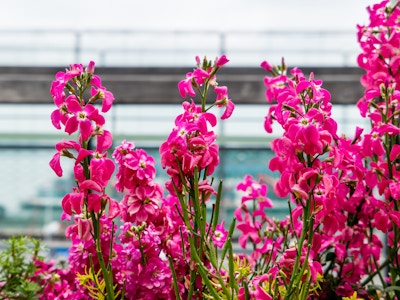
x,y
203,272
295,278
214,221
106,275
174,278
371,276
104,270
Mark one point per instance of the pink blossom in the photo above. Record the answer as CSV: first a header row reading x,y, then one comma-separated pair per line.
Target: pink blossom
x,y
260,293
106,97
220,235
266,66
62,78
85,228
72,203
136,167
185,86
114,209
274,86
141,205
122,150
255,191
249,230
63,150
191,144
200,76
104,141
60,115
386,218
223,100
222,60
101,169
372,144
90,67
193,118
82,117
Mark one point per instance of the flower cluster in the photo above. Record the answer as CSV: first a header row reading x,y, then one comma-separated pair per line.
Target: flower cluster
x,y
342,192
191,144
150,249
190,155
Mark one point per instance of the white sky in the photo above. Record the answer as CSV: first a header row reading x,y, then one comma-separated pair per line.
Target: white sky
x,y
220,15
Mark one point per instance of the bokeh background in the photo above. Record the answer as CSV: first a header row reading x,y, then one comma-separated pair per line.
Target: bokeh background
x,y
144,48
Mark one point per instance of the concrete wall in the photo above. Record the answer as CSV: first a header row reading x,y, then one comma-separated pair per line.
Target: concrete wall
x,y
159,85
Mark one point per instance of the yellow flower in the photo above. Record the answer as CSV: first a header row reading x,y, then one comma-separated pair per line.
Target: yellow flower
x,y
92,283
352,297
241,267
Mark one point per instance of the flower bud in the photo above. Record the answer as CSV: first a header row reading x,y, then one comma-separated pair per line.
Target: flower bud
x,y
90,68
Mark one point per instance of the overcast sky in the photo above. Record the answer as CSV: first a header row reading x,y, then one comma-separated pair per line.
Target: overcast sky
x,y
184,14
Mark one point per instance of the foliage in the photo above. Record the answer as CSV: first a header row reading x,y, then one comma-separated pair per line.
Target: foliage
x,y
18,267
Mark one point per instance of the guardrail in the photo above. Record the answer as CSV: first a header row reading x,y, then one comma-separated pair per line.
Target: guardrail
x,y
55,47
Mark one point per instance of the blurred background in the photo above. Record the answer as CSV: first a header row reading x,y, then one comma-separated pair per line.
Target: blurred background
x,y
142,49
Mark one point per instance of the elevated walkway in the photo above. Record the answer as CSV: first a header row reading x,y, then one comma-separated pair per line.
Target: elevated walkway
x,y
139,85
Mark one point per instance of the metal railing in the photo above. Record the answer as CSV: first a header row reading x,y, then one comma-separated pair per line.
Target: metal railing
x,y
55,47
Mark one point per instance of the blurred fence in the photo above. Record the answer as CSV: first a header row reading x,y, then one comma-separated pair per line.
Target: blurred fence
x,y
56,47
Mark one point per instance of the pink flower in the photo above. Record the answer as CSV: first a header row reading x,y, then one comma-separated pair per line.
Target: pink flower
x,y
101,169
63,150
141,205
106,97
249,230
222,60
72,203
104,141
190,144
386,218
85,228
193,118
136,167
223,100
122,150
114,209
82,117
266,66
90,67
307,182
200,76
55,164
255,191
58,85
372,144
274,85
260,293
60,115
220,235
185,86
285,155
157,275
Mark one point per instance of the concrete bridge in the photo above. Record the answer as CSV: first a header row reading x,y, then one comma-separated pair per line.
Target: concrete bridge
x,y
159,85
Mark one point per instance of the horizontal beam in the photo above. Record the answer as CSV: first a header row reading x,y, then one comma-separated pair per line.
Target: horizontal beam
x,y
159,85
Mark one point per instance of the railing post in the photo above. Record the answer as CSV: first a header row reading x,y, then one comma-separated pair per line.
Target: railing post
x,y
77,49
222,43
